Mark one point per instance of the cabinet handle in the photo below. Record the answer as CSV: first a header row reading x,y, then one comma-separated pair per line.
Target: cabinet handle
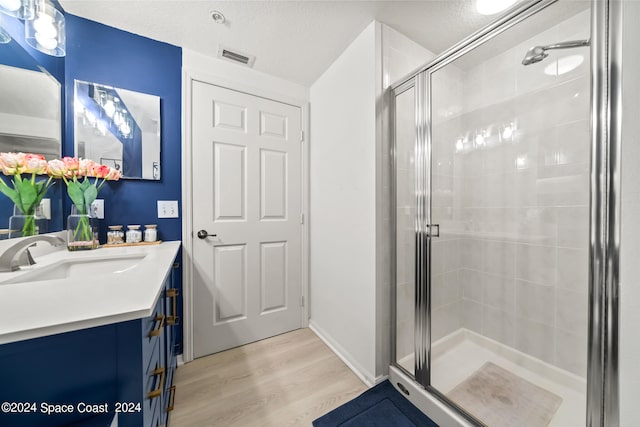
x,y
157,392
172,397
158,331
173,319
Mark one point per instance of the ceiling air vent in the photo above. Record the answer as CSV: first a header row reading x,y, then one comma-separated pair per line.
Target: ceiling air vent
x,y
235,56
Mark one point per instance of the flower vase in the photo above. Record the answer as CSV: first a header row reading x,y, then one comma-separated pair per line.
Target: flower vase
x,y
82,231
21,225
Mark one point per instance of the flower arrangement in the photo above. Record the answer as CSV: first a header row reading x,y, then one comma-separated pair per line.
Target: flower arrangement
x,y
26,193
82,191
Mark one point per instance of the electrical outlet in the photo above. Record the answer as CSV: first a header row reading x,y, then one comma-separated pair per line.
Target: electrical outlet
x,y
97,208
168,209
44,209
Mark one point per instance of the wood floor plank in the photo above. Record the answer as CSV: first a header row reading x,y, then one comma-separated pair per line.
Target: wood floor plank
x,y
285,381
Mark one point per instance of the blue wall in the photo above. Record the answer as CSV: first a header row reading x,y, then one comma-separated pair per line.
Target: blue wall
x,y
105,55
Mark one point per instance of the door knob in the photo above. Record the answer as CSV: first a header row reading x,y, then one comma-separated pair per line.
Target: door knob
x,y
203,234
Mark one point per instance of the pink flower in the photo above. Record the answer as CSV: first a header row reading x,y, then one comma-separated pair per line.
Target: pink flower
x,y
86,167
12,163
57,168
72,165
114,175
101,171
34,163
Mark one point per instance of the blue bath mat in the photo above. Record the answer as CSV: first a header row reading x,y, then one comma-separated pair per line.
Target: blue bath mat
x,y
380,406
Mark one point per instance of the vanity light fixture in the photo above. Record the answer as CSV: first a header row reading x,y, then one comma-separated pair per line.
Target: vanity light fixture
x,y
46,32
491,7
21,9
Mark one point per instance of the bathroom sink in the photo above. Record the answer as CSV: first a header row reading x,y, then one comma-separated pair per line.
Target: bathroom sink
x,y
79,268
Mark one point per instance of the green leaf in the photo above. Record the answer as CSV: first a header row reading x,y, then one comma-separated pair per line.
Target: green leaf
x,y
90,195
77,195
28,196
10,193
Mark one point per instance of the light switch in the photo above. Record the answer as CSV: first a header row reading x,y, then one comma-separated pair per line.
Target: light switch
x,y
44,209
97,208
168,209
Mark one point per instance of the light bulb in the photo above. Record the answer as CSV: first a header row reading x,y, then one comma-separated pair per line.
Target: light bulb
x,y
44,25
10,5
118,119
125,129
109,108
46,42
459,145
479,140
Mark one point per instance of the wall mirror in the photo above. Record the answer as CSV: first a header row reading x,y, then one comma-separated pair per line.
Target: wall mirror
x,y
30,122
119,128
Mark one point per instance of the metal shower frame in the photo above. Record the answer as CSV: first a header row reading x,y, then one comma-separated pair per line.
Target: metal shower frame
x,y
604,220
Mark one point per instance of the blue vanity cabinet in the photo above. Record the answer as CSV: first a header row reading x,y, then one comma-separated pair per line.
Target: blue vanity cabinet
x,y
123,368
173,323
56,380
146,363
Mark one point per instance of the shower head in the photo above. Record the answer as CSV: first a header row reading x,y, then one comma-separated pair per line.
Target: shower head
x,y
538,53
534,54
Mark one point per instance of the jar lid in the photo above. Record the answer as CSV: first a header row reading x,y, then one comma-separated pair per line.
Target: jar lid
x,y
133,227
150,226
115,227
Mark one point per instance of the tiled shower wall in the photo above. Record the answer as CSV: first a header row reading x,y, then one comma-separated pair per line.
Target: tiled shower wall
x,y
511,262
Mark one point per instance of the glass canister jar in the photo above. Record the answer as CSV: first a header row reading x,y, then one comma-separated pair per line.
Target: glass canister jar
x,y
115,235
150,233
134,235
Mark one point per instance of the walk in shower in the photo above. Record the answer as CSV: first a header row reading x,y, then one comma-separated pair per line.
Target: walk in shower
x,y
493,187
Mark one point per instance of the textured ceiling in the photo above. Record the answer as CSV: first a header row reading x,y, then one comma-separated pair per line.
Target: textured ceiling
x,y
294,40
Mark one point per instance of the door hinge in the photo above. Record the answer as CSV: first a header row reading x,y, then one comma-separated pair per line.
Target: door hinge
x,y
301,135
301,218
302,301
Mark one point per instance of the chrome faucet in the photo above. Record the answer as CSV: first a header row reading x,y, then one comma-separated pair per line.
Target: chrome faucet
x,y
10,259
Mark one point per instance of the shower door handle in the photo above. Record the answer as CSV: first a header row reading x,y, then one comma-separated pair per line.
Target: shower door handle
x,y
433,230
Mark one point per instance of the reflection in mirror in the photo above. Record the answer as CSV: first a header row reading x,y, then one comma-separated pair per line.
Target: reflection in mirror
x,y
119,128
30,122
29,112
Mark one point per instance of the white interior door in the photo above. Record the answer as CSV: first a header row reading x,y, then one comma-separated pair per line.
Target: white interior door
x,y
247,185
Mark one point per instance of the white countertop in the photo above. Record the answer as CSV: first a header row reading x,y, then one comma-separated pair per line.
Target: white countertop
x,y
46,307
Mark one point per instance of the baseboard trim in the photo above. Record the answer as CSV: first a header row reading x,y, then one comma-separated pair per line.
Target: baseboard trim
x,y
344,355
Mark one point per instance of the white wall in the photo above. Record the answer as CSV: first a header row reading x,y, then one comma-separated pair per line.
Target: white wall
x,y
350,208
342,204
630,240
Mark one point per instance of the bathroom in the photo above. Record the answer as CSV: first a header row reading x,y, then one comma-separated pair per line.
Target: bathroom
x,y
513,170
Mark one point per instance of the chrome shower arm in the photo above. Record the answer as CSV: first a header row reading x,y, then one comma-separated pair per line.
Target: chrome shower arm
x,y
567,44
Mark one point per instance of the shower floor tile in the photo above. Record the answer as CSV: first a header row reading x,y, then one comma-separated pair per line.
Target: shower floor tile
x,y
458,356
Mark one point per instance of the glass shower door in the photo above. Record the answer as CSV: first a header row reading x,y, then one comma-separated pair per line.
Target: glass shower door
x,y
509,172
405,219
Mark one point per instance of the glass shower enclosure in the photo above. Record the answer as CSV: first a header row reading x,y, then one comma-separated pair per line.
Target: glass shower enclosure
x,y
491,149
